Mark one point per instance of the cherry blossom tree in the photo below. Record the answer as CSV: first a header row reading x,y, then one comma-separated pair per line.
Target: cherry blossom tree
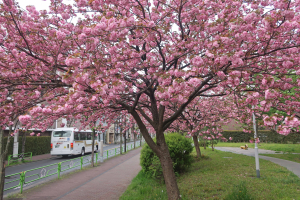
x,y
204,117
23,84
142,56
270,111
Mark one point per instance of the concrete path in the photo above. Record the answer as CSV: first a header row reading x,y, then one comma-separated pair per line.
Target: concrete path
x,y
292,166
107,181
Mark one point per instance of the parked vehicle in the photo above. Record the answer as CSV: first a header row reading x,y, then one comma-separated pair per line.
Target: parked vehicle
x,y
71,141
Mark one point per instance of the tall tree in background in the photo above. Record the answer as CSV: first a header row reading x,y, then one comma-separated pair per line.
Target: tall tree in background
x,y
204,117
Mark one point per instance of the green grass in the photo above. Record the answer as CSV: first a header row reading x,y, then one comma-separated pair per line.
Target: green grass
x,y
291,157
240,192
18,162
291,148
219,177
15,196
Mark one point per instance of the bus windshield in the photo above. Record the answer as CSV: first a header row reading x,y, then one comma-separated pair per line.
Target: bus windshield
x,y
62,133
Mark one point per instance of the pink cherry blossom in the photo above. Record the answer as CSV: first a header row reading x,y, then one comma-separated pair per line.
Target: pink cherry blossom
x,y
24,119
257,140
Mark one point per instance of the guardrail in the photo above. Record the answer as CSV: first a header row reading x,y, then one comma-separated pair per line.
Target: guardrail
x,y
25,178
17,157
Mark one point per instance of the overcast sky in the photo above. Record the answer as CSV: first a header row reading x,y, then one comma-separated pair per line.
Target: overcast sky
x,y
39,4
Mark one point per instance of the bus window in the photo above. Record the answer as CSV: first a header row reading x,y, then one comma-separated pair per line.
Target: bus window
x,y
82,136
89,136
76,136
62,133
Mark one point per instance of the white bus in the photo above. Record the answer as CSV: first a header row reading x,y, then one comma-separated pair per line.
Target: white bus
x,y
70,141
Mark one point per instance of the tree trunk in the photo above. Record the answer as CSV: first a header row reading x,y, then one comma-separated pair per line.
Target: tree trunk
x,y
162,151
168,171
125,142
3,153
204,144
2,176
141,141
2,166
121,140
93,147
134,137
125,135
196,144
212,145
23,142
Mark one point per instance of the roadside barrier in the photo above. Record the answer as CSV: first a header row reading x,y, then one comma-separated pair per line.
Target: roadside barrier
x,y
116,151
17,157
25,178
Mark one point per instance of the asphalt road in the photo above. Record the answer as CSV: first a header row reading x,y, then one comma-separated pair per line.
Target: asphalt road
x,y
45,170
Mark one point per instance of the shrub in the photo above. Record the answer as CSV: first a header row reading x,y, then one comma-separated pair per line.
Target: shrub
x,y
180,149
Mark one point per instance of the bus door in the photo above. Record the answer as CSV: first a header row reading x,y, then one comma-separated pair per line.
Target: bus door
x,y
79,142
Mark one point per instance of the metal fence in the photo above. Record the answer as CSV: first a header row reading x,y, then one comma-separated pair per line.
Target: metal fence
x,y
17,157
25,178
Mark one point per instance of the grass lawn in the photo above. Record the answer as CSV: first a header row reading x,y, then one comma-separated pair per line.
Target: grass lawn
x,y
217,175
291,148
288,156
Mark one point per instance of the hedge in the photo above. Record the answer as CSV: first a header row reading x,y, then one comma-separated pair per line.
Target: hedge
x,y
36,145
264,136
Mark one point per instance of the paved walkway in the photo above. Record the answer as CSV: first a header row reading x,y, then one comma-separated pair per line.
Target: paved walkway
x,y
292,166
107,181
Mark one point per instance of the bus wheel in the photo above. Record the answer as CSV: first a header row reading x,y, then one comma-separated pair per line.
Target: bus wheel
x,y
65,156
82,152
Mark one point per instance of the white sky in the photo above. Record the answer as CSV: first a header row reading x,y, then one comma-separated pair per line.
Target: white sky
x,y
39,4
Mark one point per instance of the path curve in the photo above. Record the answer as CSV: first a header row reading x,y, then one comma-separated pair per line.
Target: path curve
x,y
292,166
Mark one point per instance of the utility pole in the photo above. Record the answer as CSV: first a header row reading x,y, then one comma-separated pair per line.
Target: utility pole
x,y
256,148
16,143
